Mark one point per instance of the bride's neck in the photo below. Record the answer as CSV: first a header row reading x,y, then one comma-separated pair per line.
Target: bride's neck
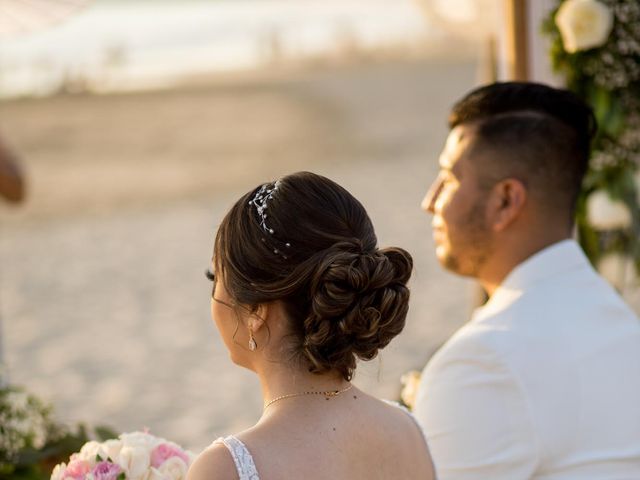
x,y
279,379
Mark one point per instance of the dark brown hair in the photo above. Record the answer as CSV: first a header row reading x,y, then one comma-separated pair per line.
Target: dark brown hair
x,y
344,297
542,134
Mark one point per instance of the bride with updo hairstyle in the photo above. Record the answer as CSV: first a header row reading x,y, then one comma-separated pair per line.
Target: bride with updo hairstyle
x,y
301,292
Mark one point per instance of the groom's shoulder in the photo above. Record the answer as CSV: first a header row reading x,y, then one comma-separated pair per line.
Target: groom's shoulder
x,y
493,335
475,341
550,319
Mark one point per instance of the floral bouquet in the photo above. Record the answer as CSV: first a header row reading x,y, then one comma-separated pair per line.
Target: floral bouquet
x,y
132,456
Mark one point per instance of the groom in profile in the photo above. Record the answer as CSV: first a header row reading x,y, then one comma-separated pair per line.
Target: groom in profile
x,y
544,381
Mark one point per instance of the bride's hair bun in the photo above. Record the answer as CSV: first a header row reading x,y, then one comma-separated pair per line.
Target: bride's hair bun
x,y
308,243
359,303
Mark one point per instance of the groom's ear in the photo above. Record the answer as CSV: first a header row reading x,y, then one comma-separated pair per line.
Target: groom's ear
x,y
508,198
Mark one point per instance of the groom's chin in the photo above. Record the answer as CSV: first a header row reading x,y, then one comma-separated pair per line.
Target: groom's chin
x,y
446,260
451,263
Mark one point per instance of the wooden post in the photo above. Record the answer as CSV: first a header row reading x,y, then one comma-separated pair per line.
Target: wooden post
x,y
516,51
488,64
517,35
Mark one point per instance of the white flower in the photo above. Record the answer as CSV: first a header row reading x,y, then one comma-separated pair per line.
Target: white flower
x,y
89,451
58,470
410,382
174,468
617,268
155,474
111,449
18,400
140,439
583,24
603,213
135,462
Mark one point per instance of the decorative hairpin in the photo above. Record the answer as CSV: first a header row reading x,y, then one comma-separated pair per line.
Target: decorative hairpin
x,y
260,201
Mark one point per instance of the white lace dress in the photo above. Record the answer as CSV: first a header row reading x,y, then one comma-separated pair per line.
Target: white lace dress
x,y
241,457
243,460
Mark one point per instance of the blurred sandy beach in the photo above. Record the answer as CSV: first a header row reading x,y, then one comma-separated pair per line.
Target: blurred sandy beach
x,y
102,295
104,304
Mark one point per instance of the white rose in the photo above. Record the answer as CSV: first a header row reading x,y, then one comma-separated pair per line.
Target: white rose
x,y
140,440
135,461
617,268
173,468
155,474
89,451
603,213
410,382
583,24
111,449
58,470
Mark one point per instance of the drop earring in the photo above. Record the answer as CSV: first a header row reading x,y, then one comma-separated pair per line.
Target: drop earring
x,y
252,342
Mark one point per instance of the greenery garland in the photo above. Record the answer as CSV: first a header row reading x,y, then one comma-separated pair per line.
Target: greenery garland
x,y
595,46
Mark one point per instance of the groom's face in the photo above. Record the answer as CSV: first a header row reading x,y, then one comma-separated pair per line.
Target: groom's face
x,y
458,205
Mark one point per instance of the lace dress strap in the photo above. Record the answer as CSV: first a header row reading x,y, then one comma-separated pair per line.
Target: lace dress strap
x,y
241,457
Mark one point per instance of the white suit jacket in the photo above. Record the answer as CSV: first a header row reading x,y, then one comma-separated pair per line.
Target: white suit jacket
x,y
542,383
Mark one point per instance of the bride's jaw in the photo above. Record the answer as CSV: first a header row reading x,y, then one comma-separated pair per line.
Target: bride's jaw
x,y
279,372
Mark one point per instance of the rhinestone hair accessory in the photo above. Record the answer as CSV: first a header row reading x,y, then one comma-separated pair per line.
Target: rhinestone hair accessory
x,y
261,201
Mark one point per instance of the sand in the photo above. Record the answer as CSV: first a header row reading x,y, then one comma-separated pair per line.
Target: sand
x,y
102,294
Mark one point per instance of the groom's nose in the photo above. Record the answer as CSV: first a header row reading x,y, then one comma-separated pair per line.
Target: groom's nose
x,y
429,200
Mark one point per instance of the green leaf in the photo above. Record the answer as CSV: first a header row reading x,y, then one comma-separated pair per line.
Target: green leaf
x,y
614,124
600,100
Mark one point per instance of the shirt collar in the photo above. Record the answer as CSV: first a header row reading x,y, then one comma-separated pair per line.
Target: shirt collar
x,y
549,262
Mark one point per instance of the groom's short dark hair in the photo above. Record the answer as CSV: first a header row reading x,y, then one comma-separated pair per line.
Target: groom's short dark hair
x,y
537,133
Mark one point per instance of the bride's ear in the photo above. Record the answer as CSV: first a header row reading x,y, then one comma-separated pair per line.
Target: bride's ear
x,y
257,319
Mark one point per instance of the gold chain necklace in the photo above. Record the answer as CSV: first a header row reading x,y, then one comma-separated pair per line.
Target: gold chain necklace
x,y
328,394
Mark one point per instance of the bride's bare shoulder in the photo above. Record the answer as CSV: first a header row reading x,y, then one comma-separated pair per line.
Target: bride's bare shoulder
x,y
214,463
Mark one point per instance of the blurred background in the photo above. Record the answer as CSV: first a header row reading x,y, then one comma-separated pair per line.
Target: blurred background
x,y
138,123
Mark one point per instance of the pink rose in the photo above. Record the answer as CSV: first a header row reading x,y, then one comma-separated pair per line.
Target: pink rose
x,y
165,451
106,471
77,469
